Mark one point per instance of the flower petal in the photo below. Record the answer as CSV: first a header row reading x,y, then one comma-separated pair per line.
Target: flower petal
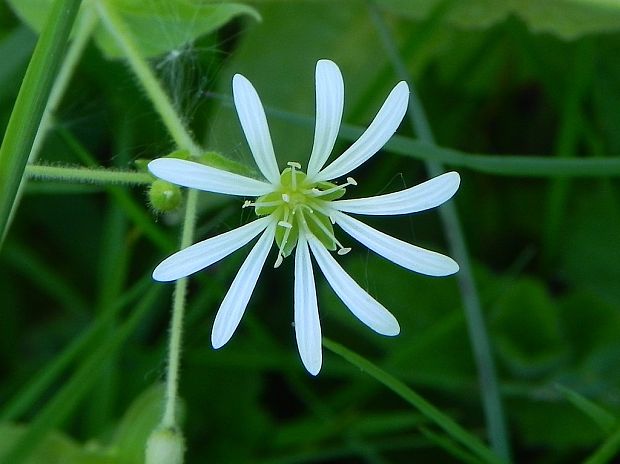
x,y
361,304
378,133
402,253
307,322
201,177
236,300
252,117
424,196
202,254
329,105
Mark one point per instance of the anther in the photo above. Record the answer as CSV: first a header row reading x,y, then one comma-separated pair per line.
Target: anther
x,y
343,251
294,164
247,204
285,197
351,181
279,260
286,224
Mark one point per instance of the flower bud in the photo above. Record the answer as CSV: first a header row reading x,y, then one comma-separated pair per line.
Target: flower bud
x,y
165,446
164,196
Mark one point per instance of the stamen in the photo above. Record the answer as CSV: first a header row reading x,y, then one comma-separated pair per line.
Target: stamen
x,y
247,204
317,193
294,165
288,226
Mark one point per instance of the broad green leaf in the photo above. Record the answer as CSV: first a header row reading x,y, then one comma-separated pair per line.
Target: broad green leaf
x,y
567,19
526,323
161,26
158,26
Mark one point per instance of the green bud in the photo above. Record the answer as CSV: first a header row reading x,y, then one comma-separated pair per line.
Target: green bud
x,y
164,196
165,446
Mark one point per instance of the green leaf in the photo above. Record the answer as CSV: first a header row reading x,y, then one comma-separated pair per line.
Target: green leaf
x,y
161,26
567,19
526,323
54,448
158,26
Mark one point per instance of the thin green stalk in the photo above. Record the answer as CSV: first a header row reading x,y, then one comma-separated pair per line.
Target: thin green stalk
x,y
178,313
454,430
30,103
87,175
118,29
500,165
479,339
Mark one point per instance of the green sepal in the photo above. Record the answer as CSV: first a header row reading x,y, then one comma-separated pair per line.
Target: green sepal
x,y
286,178
219,161
291,241
268,198
330,196
326,239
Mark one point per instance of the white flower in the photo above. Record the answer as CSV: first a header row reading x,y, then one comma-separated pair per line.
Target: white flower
x,y
298,209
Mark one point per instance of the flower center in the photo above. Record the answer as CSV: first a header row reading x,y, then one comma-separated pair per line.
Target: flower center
x,y
300,205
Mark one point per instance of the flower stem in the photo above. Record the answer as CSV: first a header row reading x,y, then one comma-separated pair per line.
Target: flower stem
x,y
178,311
479,338
87,175
173,122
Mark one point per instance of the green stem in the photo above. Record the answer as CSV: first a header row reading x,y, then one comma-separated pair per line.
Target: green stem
x,y
178,312
118,29
30,103
87,175
479,338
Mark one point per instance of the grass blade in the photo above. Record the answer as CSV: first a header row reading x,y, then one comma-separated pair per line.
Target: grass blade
x,y
453,429
30,104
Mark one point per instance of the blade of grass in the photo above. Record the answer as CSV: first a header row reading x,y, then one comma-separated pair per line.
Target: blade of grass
x,y
454,430
607,451
479,339
30,103
603,419
72,392
567,142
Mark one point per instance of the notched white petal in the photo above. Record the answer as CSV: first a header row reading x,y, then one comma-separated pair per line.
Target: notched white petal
x,y
195,175
238,295
202,254
402,253
361,304
329,106
307,322
424,196
254,123
378,133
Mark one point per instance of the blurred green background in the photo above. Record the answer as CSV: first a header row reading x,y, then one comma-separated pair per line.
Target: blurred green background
x,y
497,78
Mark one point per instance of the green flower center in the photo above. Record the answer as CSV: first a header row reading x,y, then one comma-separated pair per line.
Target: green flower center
x,y
298,204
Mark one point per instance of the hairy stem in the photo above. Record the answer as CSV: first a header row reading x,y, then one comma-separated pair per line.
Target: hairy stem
x,y
171,119
178,312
